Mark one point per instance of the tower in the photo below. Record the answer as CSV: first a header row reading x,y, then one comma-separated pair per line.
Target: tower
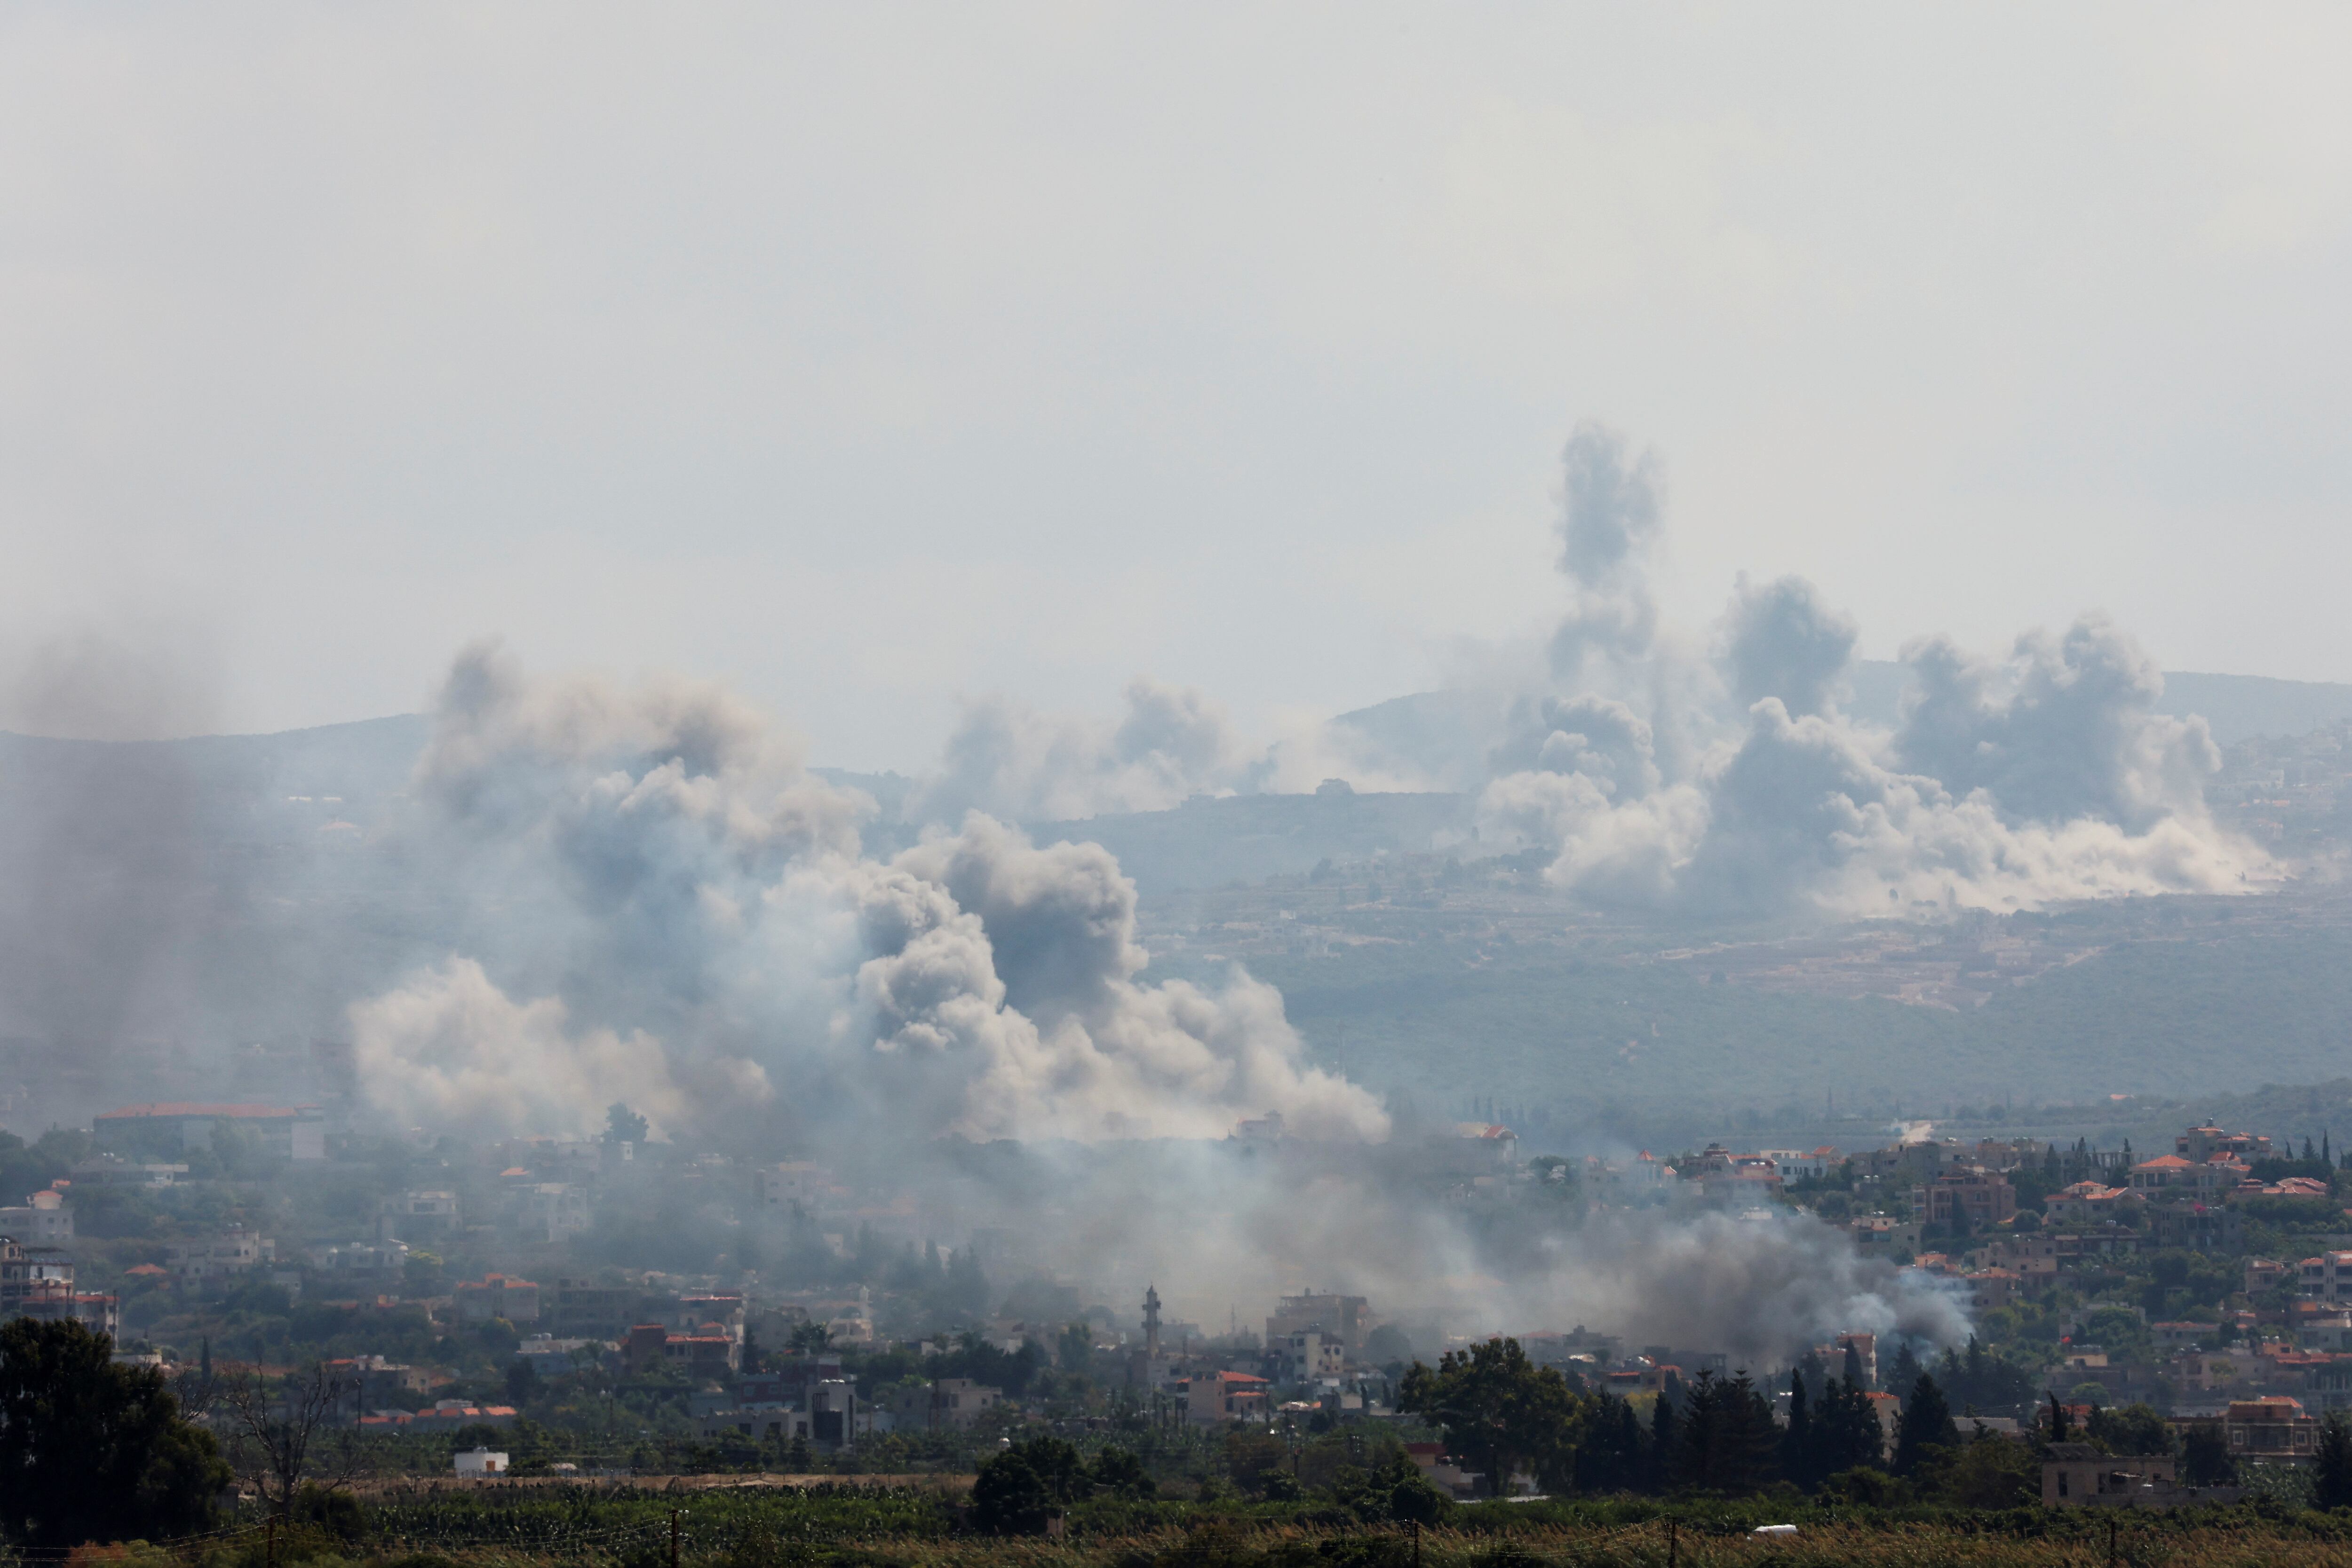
x,y
1151,1323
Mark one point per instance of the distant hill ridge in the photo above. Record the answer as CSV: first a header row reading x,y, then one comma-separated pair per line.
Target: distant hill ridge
x,y
1446,732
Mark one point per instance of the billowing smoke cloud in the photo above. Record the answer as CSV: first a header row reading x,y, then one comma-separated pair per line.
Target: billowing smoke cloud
x,y
1783,642
1021,765
2011,783
677,915
672,913
1612,505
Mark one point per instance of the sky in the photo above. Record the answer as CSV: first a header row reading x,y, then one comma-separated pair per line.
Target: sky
x,y
869,358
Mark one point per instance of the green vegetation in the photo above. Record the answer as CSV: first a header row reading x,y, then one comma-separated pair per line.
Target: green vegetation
x,y
88,1448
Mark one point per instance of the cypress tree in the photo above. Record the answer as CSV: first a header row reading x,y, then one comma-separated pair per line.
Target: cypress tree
x,y
1663,1443
1906,1371
2331,1463
1927,1424
1797,1442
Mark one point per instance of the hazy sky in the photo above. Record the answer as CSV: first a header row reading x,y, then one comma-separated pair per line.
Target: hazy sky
x,y
865,355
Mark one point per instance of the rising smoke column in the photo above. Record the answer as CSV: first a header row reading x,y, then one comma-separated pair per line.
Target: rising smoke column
x,y
1736,787
1013,762
676,913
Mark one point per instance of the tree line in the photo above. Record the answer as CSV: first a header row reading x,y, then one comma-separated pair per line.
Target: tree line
x,y
1505,1416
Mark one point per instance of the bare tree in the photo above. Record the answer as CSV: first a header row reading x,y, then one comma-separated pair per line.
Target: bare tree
x,y
279,1430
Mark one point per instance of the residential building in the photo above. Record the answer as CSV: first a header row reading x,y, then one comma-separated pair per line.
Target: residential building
x,y
1211,1398
551,1357
2076,1474
497,1296
2199,1226
167,1128
1865,1349
2185,1335
2328,1278
696,1355
113,1170
2086,1202
2262,1273
369,1263
2271,1428
421,1217
1795,1167
1989,1290
38,1282
1443,1473
2200,1144
596,1311
44,1219
551,1210
1344,1320
1883,1235
1970,1193
796,1184
199,1263
480,1463
376,1384
2169,1176
1306,1357
944,1402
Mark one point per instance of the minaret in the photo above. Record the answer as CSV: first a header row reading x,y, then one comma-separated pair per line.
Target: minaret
x,y
1151,1323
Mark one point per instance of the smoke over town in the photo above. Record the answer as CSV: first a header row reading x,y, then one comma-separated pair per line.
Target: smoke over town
x,y
849,788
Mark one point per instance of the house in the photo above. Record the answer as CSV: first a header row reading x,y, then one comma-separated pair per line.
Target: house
x,y
480,1463
2085,1202
1792,1166
2326,1278
2169,1176
1443,1473
38,1282
2199,1226
2076,1474
697,1356
2274,1427
1970,1193
497,1296
1889,1410
1992,1289
596,1311
1214,1397
420,1216
353,1262
2200,1144
167,1128
41,1221
1882,1235
1305,1358
949,1402
550,1210
2185,1336
113,1170
1347,1320
204,1262
551,1357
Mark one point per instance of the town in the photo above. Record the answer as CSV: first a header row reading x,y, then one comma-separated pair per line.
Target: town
x,y
505,1308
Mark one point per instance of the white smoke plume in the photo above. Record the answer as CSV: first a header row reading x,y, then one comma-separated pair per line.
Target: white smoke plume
x,y
670,912
675,913
1738,787
1020,765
